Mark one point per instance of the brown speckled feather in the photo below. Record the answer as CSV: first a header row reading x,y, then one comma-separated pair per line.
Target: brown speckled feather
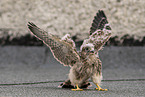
x,y
84,64
99,21
62,51
100,31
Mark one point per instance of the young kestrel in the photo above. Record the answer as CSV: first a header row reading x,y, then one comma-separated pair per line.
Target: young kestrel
x,y
85,63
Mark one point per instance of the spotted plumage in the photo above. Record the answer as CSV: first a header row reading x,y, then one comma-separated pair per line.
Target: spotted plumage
x,y
85,63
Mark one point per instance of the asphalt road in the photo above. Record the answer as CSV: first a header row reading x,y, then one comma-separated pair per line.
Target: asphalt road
x,y
33,72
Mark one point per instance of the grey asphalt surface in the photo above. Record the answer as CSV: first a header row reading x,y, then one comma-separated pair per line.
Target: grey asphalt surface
x,y
31,72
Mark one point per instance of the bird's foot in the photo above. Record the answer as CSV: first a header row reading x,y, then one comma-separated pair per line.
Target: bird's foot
x,y
67,84
77,89
100,89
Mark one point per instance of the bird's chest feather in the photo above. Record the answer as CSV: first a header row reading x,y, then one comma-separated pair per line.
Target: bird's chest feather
x,y
88,66
91,59
91,64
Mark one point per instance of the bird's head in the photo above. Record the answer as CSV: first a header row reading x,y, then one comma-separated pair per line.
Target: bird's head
x,y
87,48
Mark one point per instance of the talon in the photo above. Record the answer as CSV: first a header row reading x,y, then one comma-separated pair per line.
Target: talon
x,y
105,89
77,89
100,89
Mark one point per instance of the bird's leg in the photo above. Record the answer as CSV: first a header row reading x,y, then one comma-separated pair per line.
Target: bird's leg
x,y
100,89
77,89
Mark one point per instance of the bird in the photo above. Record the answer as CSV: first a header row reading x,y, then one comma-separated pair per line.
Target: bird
x,y
85,63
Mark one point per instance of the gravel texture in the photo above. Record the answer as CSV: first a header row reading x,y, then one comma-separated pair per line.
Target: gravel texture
x,y
72,16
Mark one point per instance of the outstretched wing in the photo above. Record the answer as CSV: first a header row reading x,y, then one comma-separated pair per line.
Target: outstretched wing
x,y
68,39
62,51
100,31
99,22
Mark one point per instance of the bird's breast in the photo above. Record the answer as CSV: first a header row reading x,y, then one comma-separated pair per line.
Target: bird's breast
x,y
91,59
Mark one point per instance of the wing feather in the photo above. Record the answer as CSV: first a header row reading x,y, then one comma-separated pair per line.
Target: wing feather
x,y
62,51
100,31
99,20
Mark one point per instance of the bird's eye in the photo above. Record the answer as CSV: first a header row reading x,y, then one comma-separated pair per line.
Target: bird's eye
x,y
108,27
87,48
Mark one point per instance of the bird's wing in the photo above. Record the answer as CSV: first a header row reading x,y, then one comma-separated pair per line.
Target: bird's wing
x,y
100,30
62,51
99,22
68,39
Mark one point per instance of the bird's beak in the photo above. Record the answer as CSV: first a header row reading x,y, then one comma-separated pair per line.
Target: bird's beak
x,y
92,51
